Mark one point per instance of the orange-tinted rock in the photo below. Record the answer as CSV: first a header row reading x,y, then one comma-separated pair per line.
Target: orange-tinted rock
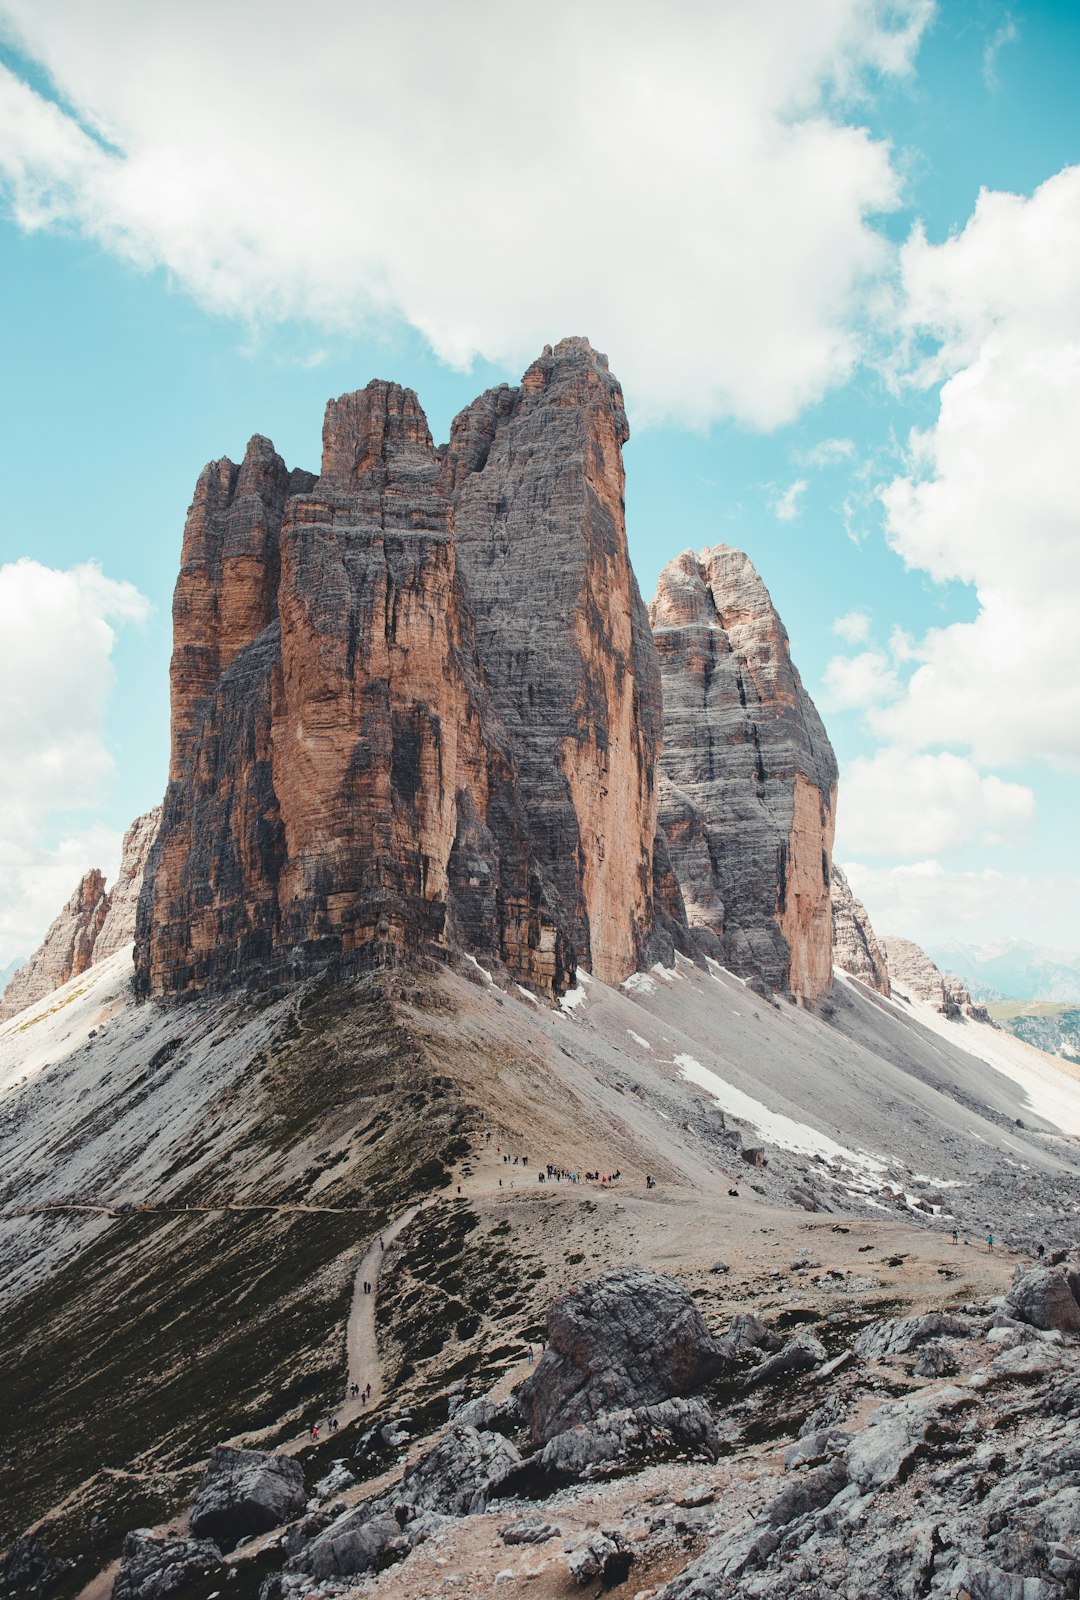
x,y
415,701
65,952
912,971
748,775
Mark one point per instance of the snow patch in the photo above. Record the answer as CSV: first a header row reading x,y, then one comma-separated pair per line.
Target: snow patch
x,y
483,970
527,993
644,1043
772,1125
572,999
639,983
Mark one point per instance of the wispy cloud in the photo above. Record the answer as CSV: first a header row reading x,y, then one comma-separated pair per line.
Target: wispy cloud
x,y
785,507
1006,33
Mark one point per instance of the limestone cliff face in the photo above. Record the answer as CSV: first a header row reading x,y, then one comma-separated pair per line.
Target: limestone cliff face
x,y
855,947
66,951
912,970
118,928
415,701
92,925
748,783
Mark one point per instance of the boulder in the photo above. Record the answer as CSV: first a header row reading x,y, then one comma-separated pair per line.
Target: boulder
x,y
800,1354
30,1564
601,1556
747,1332
152,1568
897,1336
630,1338
879,1453
528,1530
625,1438
461,1474
1044,1297
364,1540
245,1492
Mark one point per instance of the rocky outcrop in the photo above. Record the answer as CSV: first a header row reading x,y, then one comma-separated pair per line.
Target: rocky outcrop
x,y
856,950
748,775
912,970
65,952
94,924
1048,1297
631,1338
153,1568
118,928
243,1492
415,700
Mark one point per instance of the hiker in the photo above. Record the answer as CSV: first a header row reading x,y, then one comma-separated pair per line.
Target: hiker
x,y
956,1236
381,1245
990,1242
530,1355
314,1430
1041,1251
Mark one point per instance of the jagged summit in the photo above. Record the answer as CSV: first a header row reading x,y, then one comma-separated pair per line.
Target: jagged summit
x,y
415,700
748,777
92,925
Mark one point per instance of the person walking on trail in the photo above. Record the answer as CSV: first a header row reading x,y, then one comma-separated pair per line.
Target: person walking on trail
x,y
314,1430
990,1242
956,1236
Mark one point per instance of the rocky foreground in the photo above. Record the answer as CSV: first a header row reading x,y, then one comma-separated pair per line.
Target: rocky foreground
x,y
926,1454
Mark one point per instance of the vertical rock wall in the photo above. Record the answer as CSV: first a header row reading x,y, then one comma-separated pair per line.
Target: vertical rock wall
x,y
748,780
855,946
415,700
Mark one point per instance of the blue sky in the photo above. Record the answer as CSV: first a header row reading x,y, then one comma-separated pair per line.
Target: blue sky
x,y
772,224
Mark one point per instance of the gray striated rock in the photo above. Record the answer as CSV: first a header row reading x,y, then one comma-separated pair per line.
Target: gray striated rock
x,y
1045,1298
879,1453
244,1492
856,950
911,969
603,1555
118,928
629,1338
897,1336
153,1569
362,1541
801,1354
461,1474
621,1439
748,775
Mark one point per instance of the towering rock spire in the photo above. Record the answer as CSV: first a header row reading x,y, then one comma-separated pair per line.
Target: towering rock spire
x,y
748,775
415,700
855,945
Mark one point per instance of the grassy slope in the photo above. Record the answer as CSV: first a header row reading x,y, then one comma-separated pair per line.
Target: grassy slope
x,y
176,1329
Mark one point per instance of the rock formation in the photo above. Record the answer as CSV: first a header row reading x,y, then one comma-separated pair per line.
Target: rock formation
x,y
856,950
748,779
92,925
911,969
65,952
118,928
415,700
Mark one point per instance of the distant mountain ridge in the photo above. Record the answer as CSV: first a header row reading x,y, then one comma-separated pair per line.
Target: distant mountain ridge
x,y
1011,970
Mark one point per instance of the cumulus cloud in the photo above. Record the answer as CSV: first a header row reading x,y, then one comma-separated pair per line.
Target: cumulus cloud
x,y
989,494
854,683
853,627
925,901
57,631
493,175
895,805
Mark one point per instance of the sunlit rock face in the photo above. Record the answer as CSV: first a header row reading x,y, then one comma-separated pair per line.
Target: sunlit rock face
x,y
748,777
415,700
856,950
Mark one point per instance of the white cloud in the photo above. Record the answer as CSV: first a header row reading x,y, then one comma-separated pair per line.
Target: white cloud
x,y
927,902
56,641
853,626
990,494
785,506
895,805
854,683
495,176
1005,33
828,452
